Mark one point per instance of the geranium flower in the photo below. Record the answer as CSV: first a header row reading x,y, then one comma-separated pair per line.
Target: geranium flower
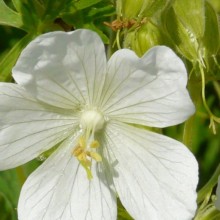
x,y
97,111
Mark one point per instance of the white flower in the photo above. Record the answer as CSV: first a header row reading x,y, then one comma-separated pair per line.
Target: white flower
x,y
217,202
68,93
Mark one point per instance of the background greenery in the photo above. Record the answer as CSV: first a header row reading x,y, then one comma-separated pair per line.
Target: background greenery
x,y
191,28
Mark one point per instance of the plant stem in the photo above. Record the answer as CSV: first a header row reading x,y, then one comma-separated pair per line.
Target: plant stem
x,y
213,118
188,132
209,185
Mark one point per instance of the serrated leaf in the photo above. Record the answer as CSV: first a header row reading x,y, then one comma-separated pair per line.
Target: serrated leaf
x,y
31,12
55,7
74,6
9,17
184,40
91,18
35,6
10,58
191,13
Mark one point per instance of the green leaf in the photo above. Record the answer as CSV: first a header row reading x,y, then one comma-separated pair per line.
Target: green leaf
x,y
92,27
91,18
10,187
100,12
9,17
55,7
7,211
11,182
75,6
35,6
89,15
31,12
82,4
10,58
192,15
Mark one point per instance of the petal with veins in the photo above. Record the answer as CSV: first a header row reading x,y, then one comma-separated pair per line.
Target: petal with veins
x,y
154,176
60,190
28,127
150,90
63,69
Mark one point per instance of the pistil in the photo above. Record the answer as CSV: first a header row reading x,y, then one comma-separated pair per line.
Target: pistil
x,y
85,150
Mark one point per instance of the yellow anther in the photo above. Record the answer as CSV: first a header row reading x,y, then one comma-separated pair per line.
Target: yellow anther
x,y
80,147
83,153
77,151
94,144
82,156
97,157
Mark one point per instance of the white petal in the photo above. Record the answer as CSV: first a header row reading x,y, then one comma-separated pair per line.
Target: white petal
x,y
154,176
150,90
217,203
60,190
63,69
28,128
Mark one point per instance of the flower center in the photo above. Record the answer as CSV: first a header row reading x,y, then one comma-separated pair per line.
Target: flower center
x,y
92,120
86,148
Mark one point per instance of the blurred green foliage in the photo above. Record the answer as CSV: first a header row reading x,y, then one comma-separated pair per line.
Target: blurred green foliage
x,y
191,28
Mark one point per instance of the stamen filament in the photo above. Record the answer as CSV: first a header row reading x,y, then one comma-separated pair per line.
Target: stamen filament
x,y
94,156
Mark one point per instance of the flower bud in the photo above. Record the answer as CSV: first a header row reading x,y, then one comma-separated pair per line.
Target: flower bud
x,y
139,8
183,39
142,39
192,15
210,39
